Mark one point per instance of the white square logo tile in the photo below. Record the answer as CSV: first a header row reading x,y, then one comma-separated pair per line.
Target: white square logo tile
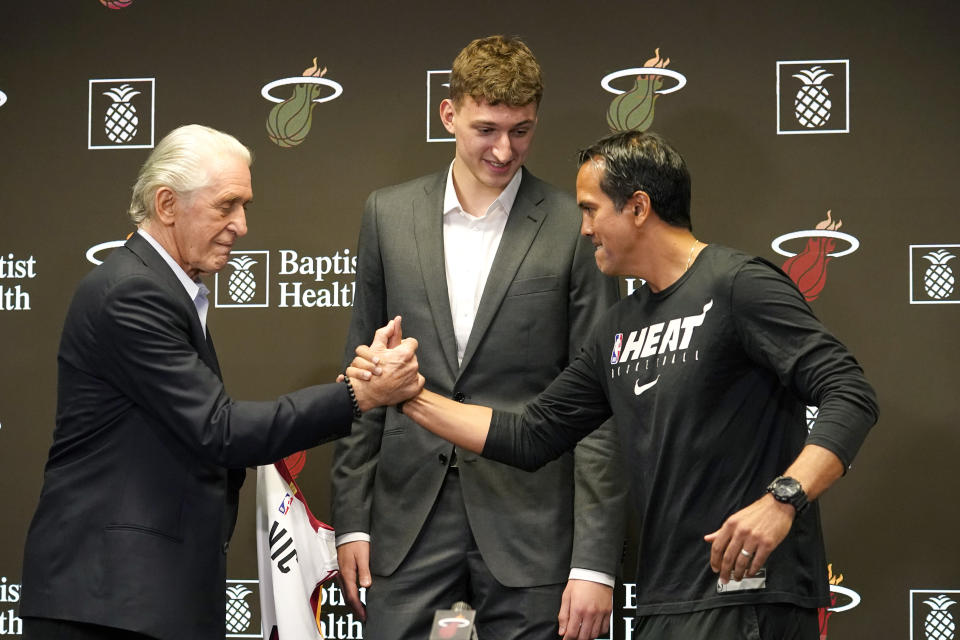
x,y
813,96
120,114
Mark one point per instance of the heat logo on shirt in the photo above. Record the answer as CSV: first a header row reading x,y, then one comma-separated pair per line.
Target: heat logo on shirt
x,y
657,339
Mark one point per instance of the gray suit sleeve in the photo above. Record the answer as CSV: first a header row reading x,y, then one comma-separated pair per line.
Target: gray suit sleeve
x,y
600,490
355,457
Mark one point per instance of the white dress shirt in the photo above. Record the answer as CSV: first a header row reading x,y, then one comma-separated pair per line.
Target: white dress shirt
x,y
469,246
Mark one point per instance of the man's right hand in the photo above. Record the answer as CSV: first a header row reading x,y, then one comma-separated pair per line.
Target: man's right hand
x,y
354,560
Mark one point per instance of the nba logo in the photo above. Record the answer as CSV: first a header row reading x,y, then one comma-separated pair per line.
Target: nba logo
x,y
617,345
285,504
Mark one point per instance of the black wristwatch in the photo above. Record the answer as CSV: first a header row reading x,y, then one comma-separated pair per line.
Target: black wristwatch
x,y
788,490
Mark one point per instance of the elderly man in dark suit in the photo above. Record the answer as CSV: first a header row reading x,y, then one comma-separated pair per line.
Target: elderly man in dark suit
x,y
484,263
141,487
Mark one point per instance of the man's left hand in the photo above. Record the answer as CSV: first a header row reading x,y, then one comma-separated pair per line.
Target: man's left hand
x,y
745,541
585,610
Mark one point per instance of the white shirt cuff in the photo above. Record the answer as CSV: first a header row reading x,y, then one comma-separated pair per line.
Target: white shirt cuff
x,y
353,536
581,574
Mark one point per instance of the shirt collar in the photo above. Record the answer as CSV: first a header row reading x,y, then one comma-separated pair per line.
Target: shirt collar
x,y
506,198
191,286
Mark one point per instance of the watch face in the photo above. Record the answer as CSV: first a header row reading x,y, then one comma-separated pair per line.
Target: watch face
x,y
787,487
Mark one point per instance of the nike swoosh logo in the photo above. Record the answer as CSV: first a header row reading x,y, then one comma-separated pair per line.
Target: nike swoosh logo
x,y
639,388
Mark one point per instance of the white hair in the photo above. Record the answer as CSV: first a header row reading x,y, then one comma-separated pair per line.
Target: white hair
x,y
179,162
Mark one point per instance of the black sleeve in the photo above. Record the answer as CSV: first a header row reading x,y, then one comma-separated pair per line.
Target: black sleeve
x,y
570,408
780,332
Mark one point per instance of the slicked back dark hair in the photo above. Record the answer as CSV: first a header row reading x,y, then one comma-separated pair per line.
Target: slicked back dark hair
x,y
632,161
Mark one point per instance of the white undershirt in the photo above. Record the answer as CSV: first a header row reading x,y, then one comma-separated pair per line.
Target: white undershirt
x,y
469,246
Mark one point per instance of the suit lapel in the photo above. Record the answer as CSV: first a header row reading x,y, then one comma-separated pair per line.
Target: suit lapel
x,y
201,341
524,223
428,234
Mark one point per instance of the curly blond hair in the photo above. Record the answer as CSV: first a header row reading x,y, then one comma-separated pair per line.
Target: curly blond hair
x,y
497,70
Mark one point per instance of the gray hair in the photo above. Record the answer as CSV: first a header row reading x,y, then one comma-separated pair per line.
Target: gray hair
x,y
179,162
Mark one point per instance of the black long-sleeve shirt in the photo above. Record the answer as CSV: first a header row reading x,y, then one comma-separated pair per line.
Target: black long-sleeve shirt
x,y
707,381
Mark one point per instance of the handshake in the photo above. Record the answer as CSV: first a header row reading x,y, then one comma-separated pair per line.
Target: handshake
x,y
386,372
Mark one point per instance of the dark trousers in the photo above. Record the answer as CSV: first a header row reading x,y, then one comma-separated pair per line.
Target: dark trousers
x,y
443,567
50,629
741,622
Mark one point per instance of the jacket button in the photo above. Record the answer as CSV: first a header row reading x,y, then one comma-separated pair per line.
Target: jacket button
x,y
442,458
459,397
225,547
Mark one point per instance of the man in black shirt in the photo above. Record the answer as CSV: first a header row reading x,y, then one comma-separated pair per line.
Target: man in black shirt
x,y
707,369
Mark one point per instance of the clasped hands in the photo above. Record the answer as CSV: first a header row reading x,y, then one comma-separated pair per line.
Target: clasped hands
x,y
386,372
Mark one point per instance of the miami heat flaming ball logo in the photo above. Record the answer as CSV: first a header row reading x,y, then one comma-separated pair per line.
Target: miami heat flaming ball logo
x,y
632,110
841,599
808,268
295,463
290,120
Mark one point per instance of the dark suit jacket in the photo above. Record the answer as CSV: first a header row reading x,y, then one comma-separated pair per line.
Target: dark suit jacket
x,y
543,293
140,490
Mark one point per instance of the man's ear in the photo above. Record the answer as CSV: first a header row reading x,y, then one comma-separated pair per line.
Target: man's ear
x,y
447,113
639,205
165,204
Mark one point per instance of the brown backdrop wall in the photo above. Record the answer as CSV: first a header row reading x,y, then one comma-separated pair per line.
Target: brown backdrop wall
x,y
883,163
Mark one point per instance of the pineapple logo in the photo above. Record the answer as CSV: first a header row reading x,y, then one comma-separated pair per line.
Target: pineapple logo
x,y
290,120
120,123
939,624
813,105
126,108
246,271
238,609
632,110
242,284
938,279
932,276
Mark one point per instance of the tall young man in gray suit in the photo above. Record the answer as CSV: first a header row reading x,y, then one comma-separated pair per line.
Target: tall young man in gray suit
x,y
484,263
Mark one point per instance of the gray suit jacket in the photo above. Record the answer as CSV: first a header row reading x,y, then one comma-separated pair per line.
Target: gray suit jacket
x,y
541,297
